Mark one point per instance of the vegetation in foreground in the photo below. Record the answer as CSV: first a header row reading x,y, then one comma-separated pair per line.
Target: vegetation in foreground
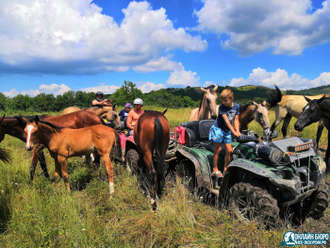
x,y
42,214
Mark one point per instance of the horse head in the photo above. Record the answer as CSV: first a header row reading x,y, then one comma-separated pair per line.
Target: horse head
x,y
113,117
261,115
30,129
209,101
312,112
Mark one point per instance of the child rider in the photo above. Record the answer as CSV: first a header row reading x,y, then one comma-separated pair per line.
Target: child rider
x,y
221,130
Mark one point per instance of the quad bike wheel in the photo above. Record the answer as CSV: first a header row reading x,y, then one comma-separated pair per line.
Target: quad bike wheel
x,y
320,201
247,203
186,173
132,158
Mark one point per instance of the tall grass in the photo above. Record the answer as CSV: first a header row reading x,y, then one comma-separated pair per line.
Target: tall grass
x,y
42,214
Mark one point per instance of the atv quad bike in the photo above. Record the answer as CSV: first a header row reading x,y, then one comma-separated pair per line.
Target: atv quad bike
x,y
263,179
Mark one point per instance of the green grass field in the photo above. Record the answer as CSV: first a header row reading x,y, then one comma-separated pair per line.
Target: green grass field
x,y
42,214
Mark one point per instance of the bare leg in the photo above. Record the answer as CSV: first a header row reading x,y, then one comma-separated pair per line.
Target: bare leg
x,y
229,151
216,157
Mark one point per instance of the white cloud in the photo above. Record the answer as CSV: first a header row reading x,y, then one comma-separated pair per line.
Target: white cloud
x,y
281,78
54,89
161,64
183,78
106,89
74,37
146,87
253,26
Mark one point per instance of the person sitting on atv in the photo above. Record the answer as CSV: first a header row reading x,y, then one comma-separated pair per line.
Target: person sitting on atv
x,y
134,115
221,130
99,100
123,115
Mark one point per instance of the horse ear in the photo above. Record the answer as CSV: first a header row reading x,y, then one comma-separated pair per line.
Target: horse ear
x,y
203,89
114,107
264,103
320,100
164,111
25,120
254,103
307,99
215,88
36,119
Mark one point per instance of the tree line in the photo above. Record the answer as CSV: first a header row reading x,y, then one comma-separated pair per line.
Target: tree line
x,y
126,93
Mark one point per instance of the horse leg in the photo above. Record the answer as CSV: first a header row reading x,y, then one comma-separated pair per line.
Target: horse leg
x,y
286,122
320,128
34,162
96,161
327,154
147,158
64,170
109,168
38,155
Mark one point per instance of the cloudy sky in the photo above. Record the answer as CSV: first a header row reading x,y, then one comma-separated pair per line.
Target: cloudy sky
x,y
54,46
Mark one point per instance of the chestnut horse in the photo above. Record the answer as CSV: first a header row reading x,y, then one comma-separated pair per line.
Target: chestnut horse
x,y
63,143
313,112
291,105
207,107
15,127
152,133
103,111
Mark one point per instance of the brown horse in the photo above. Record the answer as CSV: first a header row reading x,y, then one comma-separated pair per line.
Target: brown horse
x,y
291,105
313,112
104,112
257,112
63,143
74,120
152,133
207,107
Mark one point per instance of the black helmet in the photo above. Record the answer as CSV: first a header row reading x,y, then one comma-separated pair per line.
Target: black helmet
x,y
98,93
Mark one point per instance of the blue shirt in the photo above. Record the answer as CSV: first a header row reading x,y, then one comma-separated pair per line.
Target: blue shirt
x,y
231,112
123,114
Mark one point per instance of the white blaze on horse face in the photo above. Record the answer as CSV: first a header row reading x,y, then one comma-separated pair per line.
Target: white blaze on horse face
x,y
29,129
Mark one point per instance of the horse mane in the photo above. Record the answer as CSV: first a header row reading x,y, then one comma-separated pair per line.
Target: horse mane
x,y
152,111
274,97
57,128
30,118
246,106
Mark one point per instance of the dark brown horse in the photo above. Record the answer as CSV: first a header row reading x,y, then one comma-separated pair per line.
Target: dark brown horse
x,y
14,126
313,112
152,135
63,143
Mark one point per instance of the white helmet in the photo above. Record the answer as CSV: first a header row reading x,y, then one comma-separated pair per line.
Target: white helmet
x,y
138,101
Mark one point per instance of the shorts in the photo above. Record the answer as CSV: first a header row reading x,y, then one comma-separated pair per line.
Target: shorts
x,y
219,136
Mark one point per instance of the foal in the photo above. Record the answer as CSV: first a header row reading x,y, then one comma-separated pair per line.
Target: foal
x,y
63,143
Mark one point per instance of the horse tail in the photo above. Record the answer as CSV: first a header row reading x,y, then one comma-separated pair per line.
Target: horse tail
x,y
4,155
160,159
274,97
117,147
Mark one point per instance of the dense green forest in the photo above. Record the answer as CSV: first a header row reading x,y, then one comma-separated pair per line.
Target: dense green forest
x,y
167,98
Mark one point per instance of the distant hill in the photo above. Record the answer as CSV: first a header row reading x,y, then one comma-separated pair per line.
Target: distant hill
x,y
245,94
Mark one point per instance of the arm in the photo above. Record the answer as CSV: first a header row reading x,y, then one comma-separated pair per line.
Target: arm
x,y
129,120
225,118
237,125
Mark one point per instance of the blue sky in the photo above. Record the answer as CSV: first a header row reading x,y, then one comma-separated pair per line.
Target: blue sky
x,y
57,46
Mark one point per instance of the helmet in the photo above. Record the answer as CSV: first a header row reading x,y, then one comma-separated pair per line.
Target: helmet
x,y
97,95
138,101
128,105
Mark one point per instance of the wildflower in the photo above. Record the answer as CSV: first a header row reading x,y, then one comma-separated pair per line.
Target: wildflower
x,y
84,230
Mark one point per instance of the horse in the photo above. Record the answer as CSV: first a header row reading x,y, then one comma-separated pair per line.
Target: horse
x,y
15,127
63,143
291,105
109,112
207,107
314,111
152,133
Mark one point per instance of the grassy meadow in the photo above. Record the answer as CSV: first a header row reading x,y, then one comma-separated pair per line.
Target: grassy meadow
x,y
42,214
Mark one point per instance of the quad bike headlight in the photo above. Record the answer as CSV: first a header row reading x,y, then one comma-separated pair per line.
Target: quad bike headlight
x,y
268,153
